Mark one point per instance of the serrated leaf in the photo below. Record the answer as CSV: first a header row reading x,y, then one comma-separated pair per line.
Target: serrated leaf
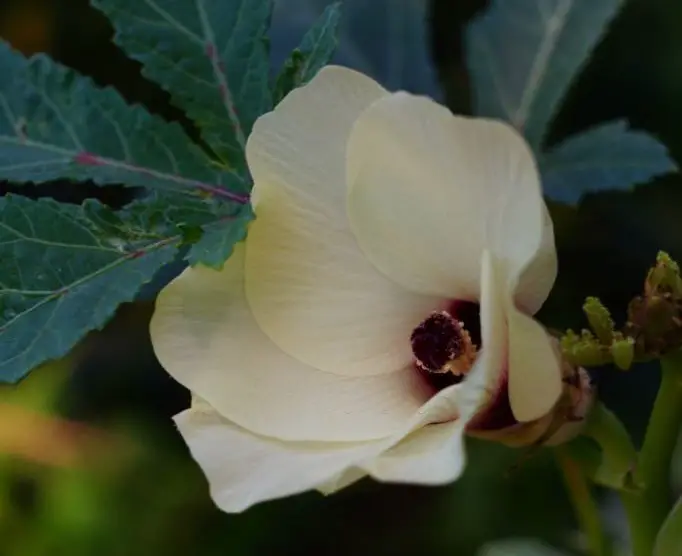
x,y
523,56
669,539
609,156
63,275
216,243
210,55
315,51
56,124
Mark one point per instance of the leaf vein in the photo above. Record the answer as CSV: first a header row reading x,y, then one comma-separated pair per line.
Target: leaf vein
x,y
171,21
65,123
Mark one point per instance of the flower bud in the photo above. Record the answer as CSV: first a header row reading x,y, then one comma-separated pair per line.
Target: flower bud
x,y
623,352
600,319
584,350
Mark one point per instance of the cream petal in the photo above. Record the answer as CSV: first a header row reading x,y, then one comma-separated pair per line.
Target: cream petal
x,y
429,191
300,145
342,480
535,379
309,286
318,298
433,455
538,277
244,469
204,335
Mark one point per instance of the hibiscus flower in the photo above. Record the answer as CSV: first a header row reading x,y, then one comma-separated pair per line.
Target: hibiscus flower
x,y
380,307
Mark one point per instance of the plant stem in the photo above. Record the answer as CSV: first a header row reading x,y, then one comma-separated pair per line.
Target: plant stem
x,y
586,509
647,508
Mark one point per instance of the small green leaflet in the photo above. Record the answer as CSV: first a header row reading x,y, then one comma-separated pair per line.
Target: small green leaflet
x,y
216,243
211,227
523,56
210,55
609,156
63,274
315,51
604,450
56,124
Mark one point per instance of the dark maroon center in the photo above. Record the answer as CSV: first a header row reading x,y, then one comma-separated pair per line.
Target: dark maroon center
x,y
437,340
440,339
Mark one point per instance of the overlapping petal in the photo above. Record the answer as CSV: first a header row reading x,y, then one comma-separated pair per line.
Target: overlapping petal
x,y
538,277
311,289
205,336
535,379
244,468
429,191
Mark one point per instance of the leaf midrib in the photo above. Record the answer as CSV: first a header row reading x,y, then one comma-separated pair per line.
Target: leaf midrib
x,y
208,41
71,154
554,26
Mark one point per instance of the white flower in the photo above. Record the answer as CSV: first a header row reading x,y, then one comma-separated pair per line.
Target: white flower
x,y
375,212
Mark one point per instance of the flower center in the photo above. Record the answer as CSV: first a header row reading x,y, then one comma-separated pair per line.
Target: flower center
x,y
444,347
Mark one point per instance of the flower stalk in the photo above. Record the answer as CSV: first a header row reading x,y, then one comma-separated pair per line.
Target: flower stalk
x,y
648,507
586,508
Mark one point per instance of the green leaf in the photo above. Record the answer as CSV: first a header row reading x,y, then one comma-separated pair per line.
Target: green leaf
x,y
63,274
315,52
606,157
210,55
523,55
211,227
669,539
216,243
56,124
165,213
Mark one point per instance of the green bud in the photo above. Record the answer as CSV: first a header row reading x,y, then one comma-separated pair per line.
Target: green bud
x,y
664,277
663,259
569,339
623,352
600,319
590,354
584,350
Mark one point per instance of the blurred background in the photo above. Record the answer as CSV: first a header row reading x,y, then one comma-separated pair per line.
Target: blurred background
x,y
102,470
